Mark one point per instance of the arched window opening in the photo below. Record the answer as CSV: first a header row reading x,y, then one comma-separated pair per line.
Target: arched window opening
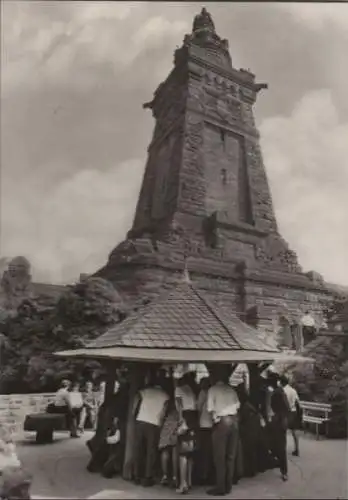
x,y
308,328
296,333
285,339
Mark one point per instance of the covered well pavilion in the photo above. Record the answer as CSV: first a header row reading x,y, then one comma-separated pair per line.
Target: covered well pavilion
x,y
181,325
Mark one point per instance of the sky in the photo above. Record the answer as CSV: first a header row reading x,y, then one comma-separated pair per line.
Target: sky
x,y
74,76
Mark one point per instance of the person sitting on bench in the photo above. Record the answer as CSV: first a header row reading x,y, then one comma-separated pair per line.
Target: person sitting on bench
x,y
68,402
61,400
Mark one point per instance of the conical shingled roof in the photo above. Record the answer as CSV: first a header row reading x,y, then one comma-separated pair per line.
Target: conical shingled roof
x,y
182,318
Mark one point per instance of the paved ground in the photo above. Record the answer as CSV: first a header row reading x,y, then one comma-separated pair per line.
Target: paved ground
x,y
60,472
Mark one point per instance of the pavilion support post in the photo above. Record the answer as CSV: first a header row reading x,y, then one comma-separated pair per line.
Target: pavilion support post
x,y
135,380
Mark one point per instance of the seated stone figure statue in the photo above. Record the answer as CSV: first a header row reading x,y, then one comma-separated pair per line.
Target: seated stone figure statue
x,y
14,480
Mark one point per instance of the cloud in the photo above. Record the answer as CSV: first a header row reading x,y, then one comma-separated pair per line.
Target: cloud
x,y
306,157
316,16
74,135
73,224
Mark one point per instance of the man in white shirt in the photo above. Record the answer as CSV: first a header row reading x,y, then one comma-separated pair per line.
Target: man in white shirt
x,y
75,402
149,411
294,404
223,405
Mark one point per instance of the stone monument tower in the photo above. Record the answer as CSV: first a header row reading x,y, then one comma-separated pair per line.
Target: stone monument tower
x,y
205,198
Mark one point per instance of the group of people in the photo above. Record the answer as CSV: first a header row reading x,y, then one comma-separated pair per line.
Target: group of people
x,y
79,404
187,433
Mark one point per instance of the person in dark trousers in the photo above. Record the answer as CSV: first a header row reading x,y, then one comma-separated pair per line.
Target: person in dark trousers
x,y
61,401
115,408
108,454
278,423
205,466
223,405
259,399
149,412
295,416
250,430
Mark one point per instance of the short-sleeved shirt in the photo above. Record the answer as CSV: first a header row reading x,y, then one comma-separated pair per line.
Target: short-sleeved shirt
x,y
187,396
292,396
152,404
222,401
75,399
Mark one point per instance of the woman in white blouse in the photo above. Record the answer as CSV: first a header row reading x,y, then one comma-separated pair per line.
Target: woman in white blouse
x,y
186,400
186,403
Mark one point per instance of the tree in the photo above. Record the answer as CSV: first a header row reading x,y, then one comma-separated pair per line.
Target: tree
x,y
38,328
326,380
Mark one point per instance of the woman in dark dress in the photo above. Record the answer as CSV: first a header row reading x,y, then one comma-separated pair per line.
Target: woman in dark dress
x,y
249,431
117,408
278,424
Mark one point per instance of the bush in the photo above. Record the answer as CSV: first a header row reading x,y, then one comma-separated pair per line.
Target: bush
x,y
37,329
327,380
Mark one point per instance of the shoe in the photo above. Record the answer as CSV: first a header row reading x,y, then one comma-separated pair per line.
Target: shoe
x,y
108,474
147,483
284,477
137,480
296,453
182,490
93,469
215,492
164,481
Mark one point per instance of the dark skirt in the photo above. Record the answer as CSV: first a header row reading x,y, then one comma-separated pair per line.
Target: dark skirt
x,y
191,418
293,420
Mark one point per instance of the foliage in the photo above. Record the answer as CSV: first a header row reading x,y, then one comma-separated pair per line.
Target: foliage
x,y
39,327
327,380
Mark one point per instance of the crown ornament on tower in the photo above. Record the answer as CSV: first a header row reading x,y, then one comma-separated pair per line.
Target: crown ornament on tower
x,y
203,35
203,23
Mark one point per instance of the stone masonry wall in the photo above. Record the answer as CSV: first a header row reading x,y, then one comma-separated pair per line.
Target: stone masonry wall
x,y
14,408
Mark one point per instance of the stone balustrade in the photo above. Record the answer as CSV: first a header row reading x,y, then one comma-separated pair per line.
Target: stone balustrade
x,y
14,408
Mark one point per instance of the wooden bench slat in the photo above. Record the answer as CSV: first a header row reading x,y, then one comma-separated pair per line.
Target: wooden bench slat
x,y
314,420
315,406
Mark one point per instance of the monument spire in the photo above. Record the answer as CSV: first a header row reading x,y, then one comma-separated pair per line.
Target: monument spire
x,y
205,195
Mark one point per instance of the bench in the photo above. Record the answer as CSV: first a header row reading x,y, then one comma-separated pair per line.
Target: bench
x,y
44,424
315,413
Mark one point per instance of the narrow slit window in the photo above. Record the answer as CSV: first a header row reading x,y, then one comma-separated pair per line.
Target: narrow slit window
x,y
223,176
222,135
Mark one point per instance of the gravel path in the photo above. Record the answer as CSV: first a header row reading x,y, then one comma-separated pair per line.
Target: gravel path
x,y
60,472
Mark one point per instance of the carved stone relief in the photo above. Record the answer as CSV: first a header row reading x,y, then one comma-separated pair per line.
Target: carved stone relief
x,y
222,107
220,84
